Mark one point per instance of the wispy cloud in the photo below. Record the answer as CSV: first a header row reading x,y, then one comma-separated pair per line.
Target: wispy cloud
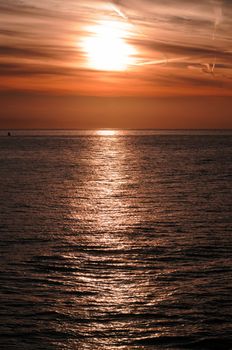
x,y
41,39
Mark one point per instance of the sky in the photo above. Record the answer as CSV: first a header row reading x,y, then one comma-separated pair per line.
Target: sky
x,y
115,64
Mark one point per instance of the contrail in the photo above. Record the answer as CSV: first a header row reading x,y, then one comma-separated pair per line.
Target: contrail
x,y
208,68
217,21
119,12
146,63
165,61
218,17
115,6
117,9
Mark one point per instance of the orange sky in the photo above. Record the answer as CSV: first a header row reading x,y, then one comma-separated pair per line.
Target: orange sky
x,y
132,63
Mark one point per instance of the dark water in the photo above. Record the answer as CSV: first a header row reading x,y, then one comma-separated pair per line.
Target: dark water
x,y
116,242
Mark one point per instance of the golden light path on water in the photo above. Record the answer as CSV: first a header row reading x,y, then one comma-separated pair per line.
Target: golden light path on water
x,y
103,251
113,267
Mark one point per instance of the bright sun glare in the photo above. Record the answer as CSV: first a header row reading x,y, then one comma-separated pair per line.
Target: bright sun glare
x,y
106,132
107,48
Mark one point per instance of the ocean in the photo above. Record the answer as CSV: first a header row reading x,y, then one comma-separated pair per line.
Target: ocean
x,y
116,240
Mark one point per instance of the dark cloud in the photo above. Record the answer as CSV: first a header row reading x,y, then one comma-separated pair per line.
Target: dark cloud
x,y
26,70
7,69
40,52
24,52
8,32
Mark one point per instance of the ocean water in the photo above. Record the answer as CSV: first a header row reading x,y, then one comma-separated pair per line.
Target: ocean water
x,y
116,240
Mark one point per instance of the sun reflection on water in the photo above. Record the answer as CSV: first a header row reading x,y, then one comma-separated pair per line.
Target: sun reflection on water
x,y
105,215
107,132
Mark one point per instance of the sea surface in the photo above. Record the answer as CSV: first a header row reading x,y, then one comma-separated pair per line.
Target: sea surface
x,y
116,240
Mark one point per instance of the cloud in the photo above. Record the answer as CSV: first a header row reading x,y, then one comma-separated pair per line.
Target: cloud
x,y
24,70
39,39
24,52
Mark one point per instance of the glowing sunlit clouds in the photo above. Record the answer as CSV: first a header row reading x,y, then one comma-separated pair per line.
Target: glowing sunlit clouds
x,y
106,47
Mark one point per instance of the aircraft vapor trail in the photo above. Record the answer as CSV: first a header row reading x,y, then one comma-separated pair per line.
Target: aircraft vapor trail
x,y
218,17
119,12
205,67
208,68
165,61
116,8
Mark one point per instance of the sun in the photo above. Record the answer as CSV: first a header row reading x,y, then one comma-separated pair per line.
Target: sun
x,y
106,47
